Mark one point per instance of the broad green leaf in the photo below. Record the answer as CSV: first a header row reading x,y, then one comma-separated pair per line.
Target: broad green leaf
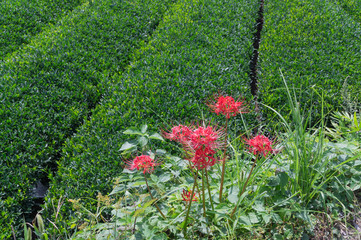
x,y
266,217
127,146
253,218
165,177
144,128
161,236
245,220
156,136
160,151
147,204
276,218
148,232
258,206
138,212
154,178
138,183
273,181
126,170
132,131
233,195
117,189
142,141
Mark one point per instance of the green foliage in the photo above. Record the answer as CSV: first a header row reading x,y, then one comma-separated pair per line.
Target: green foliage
x,y
196,51
20,20
316,45
345,125
310,165
353,7
49,88
268,209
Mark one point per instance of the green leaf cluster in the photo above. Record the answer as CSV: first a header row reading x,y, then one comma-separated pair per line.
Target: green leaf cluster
x,y
20,20
353,7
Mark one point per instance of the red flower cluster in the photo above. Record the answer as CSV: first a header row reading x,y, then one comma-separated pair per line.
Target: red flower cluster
x,y
179,134
260,145
227,106
201,141
186,195
144,162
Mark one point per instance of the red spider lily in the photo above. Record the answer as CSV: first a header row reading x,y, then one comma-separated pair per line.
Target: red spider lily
x,y
203,158
144,162
179,133
260,145
194,138
206,137
186,195
200,142
227,106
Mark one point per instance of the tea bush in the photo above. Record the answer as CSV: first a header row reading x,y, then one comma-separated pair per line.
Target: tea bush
x,y
20,20
49,87
353,7
316,45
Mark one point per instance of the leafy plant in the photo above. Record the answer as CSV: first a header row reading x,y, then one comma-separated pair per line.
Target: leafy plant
x,y
309,40
310,166
265,196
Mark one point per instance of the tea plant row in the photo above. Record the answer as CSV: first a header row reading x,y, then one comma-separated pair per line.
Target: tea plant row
x,y
49,87
20,20
353,7
315,44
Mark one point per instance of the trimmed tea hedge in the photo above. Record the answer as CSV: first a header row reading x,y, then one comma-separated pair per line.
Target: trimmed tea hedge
x,y
314,43
201,47
21,19
49,88
353,7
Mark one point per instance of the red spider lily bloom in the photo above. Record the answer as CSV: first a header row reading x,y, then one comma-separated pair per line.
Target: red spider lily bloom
x,y
199,142
179,133
203,158
187,196
260,145
227,106
194,138
206,137
144,162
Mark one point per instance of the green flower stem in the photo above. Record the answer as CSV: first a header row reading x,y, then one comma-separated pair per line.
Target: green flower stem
x,y
195,174
203,195
189,206
245,184
224,163
209,191
151,195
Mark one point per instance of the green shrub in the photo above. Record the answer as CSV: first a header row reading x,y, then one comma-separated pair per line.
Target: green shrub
x,y
20,20
49,88
314,44
353,7
201,47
